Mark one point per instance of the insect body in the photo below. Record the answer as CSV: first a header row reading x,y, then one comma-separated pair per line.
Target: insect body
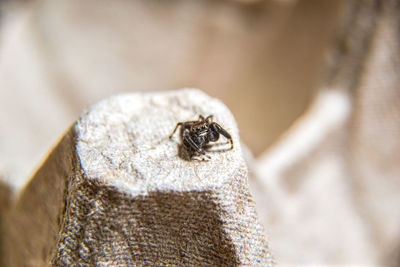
x,y
196,135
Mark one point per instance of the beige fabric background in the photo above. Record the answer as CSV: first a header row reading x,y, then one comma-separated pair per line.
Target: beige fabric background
x,y
313,85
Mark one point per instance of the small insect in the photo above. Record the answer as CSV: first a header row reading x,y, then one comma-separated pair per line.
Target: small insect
x,y
196,136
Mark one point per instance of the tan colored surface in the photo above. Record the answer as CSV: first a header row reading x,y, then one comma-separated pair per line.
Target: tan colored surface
x,y
114,192
330,188
267,61
57,57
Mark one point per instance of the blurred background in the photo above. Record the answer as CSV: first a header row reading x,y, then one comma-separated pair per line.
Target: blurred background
x,y
313,85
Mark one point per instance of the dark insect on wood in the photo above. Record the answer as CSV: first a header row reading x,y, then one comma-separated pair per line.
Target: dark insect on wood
x,y
197,135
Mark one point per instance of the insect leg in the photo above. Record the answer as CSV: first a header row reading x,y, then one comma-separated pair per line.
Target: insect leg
x,y
222,131
193,145
176,127
197,149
